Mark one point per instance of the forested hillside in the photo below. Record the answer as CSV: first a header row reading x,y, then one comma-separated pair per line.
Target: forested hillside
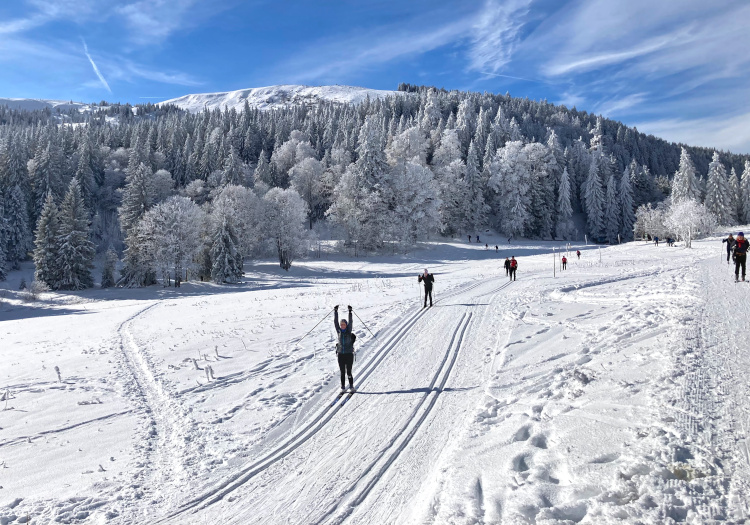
x,y
169,191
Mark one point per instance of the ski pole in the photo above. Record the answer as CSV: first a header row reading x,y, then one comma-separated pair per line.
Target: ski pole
x,y
314,327
363,323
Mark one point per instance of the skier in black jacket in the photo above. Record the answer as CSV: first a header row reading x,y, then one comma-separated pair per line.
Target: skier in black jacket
x,y
740,256
344,347
507,266
428,279
730,244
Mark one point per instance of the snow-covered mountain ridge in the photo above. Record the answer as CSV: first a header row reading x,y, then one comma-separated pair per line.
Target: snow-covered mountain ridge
x,y
275,97
34,104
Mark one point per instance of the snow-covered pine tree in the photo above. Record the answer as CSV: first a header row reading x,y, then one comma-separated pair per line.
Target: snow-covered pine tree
x,y
540,161
263,171
733,184
47,242
474,208
718,200
84,174
18,239
307,179
234,172
627,206
613,211
108,271
76,249
511,181
46,178
685,181
137,197
564,228
745,193
593,198
226,258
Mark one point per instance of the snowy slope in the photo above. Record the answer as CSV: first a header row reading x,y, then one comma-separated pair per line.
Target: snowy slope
x,y
613,392
274,97
31,104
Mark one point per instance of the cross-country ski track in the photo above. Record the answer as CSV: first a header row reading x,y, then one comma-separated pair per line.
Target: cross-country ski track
x,y
614,392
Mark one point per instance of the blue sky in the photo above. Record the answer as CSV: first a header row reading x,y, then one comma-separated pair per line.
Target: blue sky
x,y
674,68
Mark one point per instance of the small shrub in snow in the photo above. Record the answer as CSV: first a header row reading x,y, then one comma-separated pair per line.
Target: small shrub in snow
x,y
32,292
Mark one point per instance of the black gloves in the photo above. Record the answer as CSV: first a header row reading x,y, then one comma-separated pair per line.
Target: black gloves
x,y
350,308
336,308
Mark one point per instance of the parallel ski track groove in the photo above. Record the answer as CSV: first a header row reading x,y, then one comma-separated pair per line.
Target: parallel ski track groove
x,y
238,479
444,371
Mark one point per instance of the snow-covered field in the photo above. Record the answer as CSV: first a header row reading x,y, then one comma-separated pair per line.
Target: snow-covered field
x,y
616,391
274,97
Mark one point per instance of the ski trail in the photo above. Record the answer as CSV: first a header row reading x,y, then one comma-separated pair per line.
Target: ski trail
x,y
401,439
284,449
168,426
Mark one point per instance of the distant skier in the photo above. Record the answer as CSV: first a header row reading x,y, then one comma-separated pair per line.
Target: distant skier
x,y
428,279
507,266
565,262
513,268
486,246
740,256
344,347
496,248
578,253
477,238
656,240
730,244
469,238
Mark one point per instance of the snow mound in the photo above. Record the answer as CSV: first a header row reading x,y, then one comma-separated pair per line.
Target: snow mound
x,y
33,104
276,97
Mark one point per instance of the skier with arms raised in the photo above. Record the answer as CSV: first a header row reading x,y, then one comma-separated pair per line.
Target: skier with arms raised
x,y
345,347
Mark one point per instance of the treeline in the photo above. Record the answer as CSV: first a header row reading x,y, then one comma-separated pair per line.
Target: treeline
x,y
170,191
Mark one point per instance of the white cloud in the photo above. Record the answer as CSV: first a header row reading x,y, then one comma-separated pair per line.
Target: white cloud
x,y
616,106
727,132
496,33
93,64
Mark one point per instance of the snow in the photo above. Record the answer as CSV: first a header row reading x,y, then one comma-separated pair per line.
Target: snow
x,y
33,104
275,97
613,392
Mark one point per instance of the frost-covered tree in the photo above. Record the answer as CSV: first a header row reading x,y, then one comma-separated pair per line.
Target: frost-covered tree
x,y
745,193
685,181
244,210
76,251
137,197
511,181
627,206
564,228
689,220
47,244
234,172
226,257
18,239
718,199
593,198
474,209
613,211
45,173
284,225
733,185
172,231
307,179
108,270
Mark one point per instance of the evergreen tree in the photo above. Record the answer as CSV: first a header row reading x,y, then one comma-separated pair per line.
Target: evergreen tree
x,y
564,228
745,193
718,200
138,261
685,182
627,206
233,171
593,199
46,178
108,271
137,197
735,196
474,208
226,259
46,252
18,240
76,249
613,211
85,175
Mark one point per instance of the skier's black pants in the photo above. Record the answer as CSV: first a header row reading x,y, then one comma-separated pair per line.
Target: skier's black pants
x,y
512,274
427,291
739,261
729,252
564,265
345,365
